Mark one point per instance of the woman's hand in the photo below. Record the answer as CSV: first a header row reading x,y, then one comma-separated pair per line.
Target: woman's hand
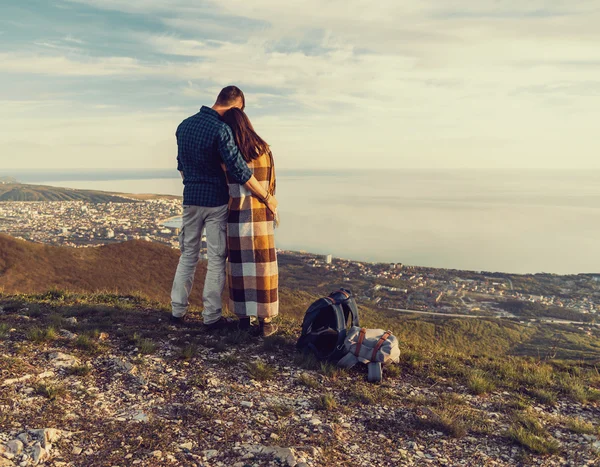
x,y
272,204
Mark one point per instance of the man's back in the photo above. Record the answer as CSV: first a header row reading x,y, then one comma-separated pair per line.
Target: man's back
x,y
199,138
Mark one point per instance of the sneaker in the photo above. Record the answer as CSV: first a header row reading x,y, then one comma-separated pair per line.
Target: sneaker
x,y
178,320
221,323
267,329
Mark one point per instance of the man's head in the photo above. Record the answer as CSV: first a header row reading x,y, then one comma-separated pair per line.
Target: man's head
x,y
230,96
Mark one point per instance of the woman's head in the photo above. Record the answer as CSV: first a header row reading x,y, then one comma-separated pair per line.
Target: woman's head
x,y
249,143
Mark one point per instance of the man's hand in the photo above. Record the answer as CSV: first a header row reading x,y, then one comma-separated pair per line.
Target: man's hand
x,y
272,204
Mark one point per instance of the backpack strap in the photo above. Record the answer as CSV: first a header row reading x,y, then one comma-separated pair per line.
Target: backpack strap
x,y
380,342
361,338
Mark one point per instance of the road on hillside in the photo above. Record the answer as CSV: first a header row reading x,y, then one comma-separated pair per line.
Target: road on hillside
x,y
456,315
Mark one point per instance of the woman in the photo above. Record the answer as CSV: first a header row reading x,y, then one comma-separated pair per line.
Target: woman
x,y
252,271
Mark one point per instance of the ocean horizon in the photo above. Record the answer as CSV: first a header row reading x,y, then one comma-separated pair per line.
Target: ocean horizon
x,y
509,220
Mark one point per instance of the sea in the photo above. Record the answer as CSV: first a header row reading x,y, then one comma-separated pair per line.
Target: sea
x,y
520,221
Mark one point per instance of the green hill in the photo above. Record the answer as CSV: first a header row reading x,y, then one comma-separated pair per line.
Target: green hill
x,y
21,192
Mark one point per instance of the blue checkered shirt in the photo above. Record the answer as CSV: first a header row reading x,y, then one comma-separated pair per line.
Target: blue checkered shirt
x,y
204,142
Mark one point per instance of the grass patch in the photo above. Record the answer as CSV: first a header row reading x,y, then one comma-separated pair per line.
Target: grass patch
x,y
392,371
145,346
534,443
479,383
4,329
281,410
86,342
326,402
581,426
51,391
413,360
79,370
361,395
330,370
544,396
445,421
261,371
307,380
39,335
188,352
529,432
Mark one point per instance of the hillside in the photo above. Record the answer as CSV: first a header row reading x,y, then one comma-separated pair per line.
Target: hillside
x,y
97,376
22,192
147,269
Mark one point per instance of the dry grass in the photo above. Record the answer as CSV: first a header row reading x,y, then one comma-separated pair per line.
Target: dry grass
x,y
260,371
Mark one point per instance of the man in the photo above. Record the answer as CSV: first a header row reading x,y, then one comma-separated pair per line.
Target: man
x,y
204,142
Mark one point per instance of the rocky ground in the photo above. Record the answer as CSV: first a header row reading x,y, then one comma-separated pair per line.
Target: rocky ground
x,y
117,385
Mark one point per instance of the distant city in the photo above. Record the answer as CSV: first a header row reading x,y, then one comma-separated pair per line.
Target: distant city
x,y
571,299
83,224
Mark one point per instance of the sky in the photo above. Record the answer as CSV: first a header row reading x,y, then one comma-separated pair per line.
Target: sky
x,y
329,84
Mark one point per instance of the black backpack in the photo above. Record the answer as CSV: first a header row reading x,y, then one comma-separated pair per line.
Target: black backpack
x,y
326,323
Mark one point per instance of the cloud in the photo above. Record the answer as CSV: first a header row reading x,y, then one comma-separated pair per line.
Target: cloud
x,y
416,83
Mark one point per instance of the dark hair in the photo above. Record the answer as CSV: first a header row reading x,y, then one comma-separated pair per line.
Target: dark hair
x,y
249,143
229,96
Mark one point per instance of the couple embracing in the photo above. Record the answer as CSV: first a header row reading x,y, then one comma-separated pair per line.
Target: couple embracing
x,y
229,187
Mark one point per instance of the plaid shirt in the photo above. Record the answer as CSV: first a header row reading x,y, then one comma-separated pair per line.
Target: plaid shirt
x,y
203,143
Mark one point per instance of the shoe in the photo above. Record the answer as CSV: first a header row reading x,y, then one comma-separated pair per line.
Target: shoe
x,y
267,329
178,320
221,323
244,324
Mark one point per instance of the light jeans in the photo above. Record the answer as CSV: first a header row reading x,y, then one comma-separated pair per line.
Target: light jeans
x,y
195,218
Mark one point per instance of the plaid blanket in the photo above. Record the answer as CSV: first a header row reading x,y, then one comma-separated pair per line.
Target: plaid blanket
x,y
252,271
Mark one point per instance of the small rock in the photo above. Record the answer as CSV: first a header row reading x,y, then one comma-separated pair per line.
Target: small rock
x,y
77,450
210,453
140,416
15,447
157,454
10,382
46,374
186,446
246,404
38,453
71,320
46,436
62,360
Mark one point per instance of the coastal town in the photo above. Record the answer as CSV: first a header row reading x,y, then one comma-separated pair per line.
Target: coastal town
x,y
391,286
83,224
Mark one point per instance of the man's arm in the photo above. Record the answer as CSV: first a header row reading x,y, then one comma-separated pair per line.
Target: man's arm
x,y
238,168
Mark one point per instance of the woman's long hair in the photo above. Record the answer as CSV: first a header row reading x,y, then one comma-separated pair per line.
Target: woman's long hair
x,y
249,143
